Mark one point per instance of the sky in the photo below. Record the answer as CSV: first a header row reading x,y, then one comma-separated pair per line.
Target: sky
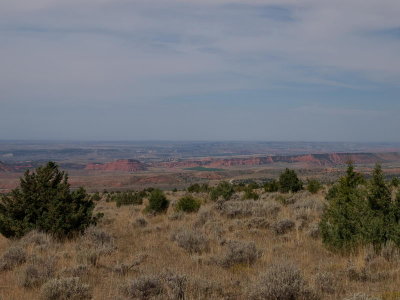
x,y
270,70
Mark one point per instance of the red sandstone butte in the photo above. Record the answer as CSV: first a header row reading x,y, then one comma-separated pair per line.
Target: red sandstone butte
x,y
127,165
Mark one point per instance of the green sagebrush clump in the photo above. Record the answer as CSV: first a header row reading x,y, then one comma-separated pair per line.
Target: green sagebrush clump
x,y
44,201
223,189
313,186
198,188
271,186
158,202
289,182
127,198
249,193
188,204
360,213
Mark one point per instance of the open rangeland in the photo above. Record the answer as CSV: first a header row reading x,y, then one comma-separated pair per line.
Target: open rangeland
x,y
237,249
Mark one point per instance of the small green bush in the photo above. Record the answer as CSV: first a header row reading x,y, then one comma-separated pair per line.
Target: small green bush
x,y
395,182
158,202
188,204
289,182
250,194
197,188
223,189
313,186
271,186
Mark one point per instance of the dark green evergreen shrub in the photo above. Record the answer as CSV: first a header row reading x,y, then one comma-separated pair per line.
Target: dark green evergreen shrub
x,y
158,202
289,182
359,215
188,204
342,225
43,201
96,197
395,182
271,186
313,186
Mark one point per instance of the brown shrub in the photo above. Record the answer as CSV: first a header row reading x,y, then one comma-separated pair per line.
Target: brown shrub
x,y
191,241
13,257
314,231
283,226
144,287
325,282
38,271
282,282
94,244
70,288
175,285
203,217
238,252
140,222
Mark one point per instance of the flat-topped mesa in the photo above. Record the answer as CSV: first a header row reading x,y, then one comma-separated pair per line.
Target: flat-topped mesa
x,y
126,165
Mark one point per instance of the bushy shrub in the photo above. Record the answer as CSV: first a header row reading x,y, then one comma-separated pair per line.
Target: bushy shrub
x,y
96,197
271,186
188,204
70,288
289,182
37,272
129,198
197,188
250,194
282,282
395,182
145,287
283,226
239,252
342,225
13,257
360,215
44,202
192,241
158,202
313,186
223,189
326,282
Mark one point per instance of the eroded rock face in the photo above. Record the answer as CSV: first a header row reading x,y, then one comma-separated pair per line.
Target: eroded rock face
x,y
325,159
127,165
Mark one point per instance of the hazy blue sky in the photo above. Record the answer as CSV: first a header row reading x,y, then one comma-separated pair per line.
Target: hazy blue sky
x,y
200,70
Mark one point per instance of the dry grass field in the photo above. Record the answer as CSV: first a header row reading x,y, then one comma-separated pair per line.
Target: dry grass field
x,y
239,249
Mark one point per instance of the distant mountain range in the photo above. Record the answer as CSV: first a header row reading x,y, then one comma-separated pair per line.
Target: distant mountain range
x,y
133,165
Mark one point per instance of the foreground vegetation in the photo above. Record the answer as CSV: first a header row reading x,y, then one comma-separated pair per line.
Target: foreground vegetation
x,y
284,240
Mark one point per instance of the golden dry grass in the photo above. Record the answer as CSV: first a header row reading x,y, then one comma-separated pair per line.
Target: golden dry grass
x,y
149,250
